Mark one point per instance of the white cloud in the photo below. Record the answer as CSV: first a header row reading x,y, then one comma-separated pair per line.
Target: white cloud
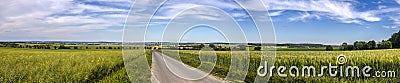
x,y
304,16
97,8
351,21
396,21
169,10
239,15
398,1
46,19
382,7
173,7
201,10
204,13
341,11
392,27
277,13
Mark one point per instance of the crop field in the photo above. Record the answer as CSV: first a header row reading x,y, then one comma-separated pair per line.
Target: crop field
x,y
45,65
67,65
377,59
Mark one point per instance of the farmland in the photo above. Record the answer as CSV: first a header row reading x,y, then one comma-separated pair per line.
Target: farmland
x,y
379,59
45,65
100,65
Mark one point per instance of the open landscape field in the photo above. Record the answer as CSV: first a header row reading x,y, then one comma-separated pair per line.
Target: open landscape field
x,y
46,65
381,60
49,65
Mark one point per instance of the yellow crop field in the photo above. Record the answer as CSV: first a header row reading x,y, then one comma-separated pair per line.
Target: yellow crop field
x,y
39,65
379,60
47,65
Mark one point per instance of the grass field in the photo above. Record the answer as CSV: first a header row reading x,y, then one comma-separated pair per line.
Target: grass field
x,y
41,65
48,65
305,49
382,60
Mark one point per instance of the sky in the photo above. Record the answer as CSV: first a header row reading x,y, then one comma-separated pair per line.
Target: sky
x,y
294,21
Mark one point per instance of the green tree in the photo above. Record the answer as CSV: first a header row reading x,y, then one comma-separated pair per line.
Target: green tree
x,y
63,47
395,39
385,45
201,46
212,45
242,47
329,48
343,46
350,47
360,45
371,44
257,48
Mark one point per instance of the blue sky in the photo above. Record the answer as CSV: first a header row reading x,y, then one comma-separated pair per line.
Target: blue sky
x,y
295,21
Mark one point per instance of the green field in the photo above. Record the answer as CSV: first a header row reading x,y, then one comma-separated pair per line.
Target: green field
x,y
382,60
45,65
49,65
305,49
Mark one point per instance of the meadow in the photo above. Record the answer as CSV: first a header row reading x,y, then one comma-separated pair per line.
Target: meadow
x,y
47,65
92,65
380,60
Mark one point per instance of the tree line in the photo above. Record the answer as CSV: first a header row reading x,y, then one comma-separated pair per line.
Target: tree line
x,y
49,46
370,45
198,47
392,42
217,48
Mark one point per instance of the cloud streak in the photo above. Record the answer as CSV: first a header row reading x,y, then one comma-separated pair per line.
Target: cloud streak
x,y
69,19
57,19
343,11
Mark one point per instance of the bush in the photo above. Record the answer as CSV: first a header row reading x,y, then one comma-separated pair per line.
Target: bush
x,y
257,48
385,45
212,45
63,47
329,48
